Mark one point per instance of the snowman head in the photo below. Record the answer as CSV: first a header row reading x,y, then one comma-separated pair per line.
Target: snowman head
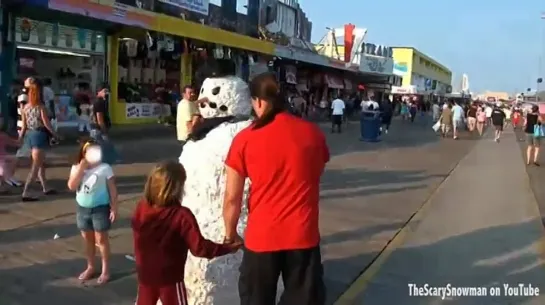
x,y
227,96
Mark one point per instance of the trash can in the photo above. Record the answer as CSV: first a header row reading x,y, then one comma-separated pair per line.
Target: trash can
x,y
370,123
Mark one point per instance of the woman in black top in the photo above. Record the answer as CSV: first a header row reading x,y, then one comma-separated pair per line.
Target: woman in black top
x,y
532,119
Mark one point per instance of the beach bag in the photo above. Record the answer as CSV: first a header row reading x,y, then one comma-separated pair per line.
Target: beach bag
x,y
538,131
436,126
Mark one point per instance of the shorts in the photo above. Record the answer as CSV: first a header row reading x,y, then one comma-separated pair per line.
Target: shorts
x,y
94,219
457,123
471,120
337,119
36,139
498,127
174,294
532,141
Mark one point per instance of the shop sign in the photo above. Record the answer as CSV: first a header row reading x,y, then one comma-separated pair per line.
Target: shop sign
x,y
109,10
197,6
376,64
379,86
401,68
146,110
45,34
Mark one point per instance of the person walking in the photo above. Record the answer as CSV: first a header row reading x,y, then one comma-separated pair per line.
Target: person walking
x,y
498,120
481,120
100,123
457,119
387,110
472,117
446,120
35,135
532,120
282,237
337,107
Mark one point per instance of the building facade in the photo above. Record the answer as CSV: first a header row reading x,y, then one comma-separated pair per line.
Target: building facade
x,y
421,74
286,17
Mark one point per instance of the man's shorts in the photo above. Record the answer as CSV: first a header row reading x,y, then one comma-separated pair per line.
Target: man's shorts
x,y
498,127
533,141
456,124
93,219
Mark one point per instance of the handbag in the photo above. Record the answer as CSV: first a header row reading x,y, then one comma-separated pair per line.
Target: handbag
x,y
538,131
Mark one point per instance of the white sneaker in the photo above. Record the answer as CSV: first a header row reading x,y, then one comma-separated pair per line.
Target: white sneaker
x,y
14,182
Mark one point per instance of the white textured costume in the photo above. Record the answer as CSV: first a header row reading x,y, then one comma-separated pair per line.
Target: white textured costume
x,y
214,282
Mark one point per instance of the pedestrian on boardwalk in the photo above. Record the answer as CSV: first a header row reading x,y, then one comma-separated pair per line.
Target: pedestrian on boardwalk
x,y
164,231
96,197
337,107
6,161
457,119
481,120
446,119
387,110
498,120
532,120
35,133
472,117
100,123
282,236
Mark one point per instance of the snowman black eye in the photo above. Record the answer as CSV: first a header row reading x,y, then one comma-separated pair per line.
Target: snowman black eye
x,y
203,105
213,105
216,91
202,90
223,108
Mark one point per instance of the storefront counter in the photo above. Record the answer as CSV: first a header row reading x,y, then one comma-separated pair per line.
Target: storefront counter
x,y
137,113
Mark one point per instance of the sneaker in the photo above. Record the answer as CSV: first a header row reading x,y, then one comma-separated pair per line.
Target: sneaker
x,y
14,182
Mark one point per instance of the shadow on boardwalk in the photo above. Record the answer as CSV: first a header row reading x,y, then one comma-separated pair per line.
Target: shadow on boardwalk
x,y
484,258
57,283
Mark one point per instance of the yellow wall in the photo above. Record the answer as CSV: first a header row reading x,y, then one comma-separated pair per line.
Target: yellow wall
x,y
404,57
420,63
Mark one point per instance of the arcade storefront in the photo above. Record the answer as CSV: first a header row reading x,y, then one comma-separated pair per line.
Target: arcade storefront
x,y
71,58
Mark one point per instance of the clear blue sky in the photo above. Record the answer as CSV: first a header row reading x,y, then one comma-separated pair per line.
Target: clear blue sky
x,y
497,43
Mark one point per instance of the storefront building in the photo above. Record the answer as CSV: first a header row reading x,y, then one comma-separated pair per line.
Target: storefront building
x,y
66,51
135,50
421,74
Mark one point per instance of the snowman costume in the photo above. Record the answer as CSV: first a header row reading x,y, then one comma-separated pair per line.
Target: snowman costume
x,y
214,282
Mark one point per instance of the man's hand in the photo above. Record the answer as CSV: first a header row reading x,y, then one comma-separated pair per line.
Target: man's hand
x,y
234,244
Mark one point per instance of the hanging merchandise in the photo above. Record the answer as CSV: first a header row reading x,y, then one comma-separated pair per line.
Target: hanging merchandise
x,y
218,52
291,75
132,48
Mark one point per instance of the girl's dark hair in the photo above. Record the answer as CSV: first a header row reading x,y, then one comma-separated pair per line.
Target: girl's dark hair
x,y
266,88
535,108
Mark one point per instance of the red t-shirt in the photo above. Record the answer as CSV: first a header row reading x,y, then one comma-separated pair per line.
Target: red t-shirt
x,y
284,161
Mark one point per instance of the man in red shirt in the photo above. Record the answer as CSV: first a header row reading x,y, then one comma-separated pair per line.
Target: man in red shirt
x,y
282,235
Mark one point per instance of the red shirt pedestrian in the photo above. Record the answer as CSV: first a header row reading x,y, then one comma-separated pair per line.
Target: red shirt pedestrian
x,y
163,232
